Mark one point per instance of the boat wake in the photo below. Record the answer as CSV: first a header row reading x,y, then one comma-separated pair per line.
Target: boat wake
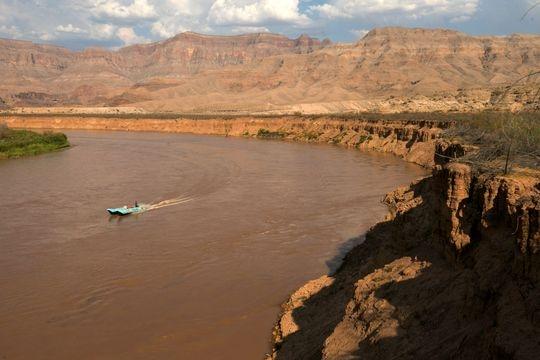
x,y
166,203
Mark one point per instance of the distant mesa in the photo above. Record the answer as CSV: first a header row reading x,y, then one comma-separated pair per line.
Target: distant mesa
x,y
390,68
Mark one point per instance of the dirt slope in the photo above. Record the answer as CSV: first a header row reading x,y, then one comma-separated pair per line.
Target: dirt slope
x,y
452,274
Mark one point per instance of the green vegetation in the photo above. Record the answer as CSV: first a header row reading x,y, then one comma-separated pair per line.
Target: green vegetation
x,y
311,136
337,139
17,143
439,117
267,134
361,116
363,139
498,137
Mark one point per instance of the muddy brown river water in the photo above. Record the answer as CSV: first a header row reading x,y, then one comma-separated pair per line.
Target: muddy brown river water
x,y
200,279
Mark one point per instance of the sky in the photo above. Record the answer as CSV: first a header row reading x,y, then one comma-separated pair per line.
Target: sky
x,y
78,24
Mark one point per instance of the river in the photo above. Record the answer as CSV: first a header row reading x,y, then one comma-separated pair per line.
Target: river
x,y
241,223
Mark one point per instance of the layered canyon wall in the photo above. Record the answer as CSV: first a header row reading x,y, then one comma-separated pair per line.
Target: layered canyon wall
x,y
390,70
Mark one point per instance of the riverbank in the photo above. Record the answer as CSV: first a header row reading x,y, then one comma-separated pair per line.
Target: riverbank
x,y
453,272
18,143
411,140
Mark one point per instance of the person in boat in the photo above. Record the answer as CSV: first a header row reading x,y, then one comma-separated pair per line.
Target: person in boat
x,y
136,203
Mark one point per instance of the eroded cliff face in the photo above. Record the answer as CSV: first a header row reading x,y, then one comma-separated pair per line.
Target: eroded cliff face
x,y
415,141
453,272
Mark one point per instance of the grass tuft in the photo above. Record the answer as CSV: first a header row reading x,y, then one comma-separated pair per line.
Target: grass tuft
x,y
267,134
311,136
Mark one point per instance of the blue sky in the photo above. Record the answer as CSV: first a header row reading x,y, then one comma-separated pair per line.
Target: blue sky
x,y
113,23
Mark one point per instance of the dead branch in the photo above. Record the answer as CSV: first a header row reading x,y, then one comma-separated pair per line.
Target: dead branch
x,y
529,10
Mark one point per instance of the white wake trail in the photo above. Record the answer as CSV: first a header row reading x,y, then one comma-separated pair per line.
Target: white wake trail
x,y
166,203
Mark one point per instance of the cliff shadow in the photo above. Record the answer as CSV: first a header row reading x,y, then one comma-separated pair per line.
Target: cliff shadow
x,y
398,295
337,260
385,243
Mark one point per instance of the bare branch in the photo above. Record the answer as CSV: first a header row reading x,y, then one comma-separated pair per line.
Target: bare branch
x,y
528,76
529,10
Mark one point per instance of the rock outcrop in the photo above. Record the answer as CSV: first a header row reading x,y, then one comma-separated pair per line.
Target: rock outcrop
x,y
389,70
452,273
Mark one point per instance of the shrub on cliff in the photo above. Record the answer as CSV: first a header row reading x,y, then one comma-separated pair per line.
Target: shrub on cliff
x,y
311,135
4,130
500,137
267,134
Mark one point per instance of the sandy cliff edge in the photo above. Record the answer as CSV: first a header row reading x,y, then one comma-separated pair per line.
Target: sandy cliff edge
x,y
453,272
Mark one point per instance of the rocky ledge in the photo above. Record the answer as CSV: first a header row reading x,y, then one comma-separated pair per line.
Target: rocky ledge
x,y
453,273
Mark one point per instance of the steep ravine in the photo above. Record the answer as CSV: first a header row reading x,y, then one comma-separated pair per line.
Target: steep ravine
x,y
453,273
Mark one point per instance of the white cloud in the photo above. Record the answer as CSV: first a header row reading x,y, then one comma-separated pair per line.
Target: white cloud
x,y
4,11
11,31
192,8
112,9
256,13
181,15
161,30
46,36
102,31
460,18
359,33
166,30
81,23
330,11
69,28
459,10
249,29
129,37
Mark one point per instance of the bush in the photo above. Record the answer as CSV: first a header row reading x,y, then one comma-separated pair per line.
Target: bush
x,y
363,139
498,135
310,136
4,130
17,143
267,134
55,138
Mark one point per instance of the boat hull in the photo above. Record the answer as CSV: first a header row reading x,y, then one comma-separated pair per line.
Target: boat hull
x,y
124,211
